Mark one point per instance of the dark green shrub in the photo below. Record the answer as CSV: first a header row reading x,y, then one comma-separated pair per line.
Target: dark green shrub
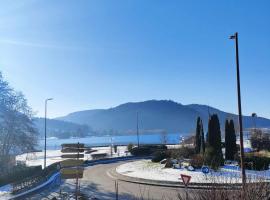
x,y
147,150
129,147
213,159
160,155
183,152
115,148
257,163
19,173
141,151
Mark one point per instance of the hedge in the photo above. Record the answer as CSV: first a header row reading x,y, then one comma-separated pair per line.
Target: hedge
x,y
147,150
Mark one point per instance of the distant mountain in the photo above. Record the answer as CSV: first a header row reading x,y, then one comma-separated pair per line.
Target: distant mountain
x,y
153,115
62,129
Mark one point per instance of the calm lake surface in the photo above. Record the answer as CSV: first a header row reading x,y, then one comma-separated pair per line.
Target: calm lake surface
x,y
55,143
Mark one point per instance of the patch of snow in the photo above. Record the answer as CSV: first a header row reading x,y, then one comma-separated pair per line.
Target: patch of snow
x,y
53,156
5,191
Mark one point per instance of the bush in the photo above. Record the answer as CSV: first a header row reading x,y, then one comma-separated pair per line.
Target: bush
x,y
115,148
19,173
260,140
141,151
257,163
129,147
160,155
197,161
212,159
183,152
147,150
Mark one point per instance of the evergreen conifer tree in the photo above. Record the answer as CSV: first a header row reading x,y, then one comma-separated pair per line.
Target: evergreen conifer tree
x,y
233,140
198,136
230,140
202,139
228,153
214,142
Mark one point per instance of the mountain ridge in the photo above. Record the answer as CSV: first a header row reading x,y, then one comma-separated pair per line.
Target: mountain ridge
x,y
154,114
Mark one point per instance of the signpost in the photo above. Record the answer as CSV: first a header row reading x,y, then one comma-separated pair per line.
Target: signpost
x,y
205,170
72,150
73,145
70,163
71,173
186,180
77,156
71,168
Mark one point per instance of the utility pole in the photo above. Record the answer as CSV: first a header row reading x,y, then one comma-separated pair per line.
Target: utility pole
x,y
138,139
45,122
242,156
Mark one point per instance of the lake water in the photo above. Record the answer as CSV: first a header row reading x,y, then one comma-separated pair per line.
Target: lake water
x,y
54,143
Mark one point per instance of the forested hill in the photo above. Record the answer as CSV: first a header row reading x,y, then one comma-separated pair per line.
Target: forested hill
x,y
154,115
62,129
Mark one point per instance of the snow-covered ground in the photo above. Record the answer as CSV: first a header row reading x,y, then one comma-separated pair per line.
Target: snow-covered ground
x,y
53,156
145,169
5,191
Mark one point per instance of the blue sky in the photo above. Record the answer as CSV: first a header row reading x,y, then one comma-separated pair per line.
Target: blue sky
x,y
99,54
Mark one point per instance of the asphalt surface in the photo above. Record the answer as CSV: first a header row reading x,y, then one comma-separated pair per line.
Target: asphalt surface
x,y
98,181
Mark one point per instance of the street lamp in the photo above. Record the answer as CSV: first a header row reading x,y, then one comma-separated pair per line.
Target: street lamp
x,y
45,121
235,37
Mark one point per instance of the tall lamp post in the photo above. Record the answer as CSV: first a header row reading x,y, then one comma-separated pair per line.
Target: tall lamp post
x,y
45,122
235,37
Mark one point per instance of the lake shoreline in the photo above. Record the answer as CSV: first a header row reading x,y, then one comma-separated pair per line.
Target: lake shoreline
x,y
98,141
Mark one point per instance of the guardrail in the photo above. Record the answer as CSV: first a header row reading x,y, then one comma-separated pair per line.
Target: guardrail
x,y
52,181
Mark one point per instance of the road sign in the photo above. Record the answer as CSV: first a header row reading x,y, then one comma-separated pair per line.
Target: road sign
x,y
185,179
72,156
72,150
71,163
71,173
73,145
205,170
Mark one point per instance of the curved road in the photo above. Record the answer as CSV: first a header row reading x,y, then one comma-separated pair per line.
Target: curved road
x,y
101,184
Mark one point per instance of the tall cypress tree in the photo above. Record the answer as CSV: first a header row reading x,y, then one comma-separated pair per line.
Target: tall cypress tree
x,y
230,140
202,139
214,140
228,153
233,139
211,134
198,136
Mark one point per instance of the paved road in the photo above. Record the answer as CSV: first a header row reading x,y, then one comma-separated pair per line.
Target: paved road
x,y
99,182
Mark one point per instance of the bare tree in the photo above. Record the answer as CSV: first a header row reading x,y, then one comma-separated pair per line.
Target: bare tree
x,y
164,137
17,132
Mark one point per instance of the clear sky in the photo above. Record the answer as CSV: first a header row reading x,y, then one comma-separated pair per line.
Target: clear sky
x,y
99,54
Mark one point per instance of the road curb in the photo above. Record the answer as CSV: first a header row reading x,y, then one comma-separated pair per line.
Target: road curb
x,y
173,184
